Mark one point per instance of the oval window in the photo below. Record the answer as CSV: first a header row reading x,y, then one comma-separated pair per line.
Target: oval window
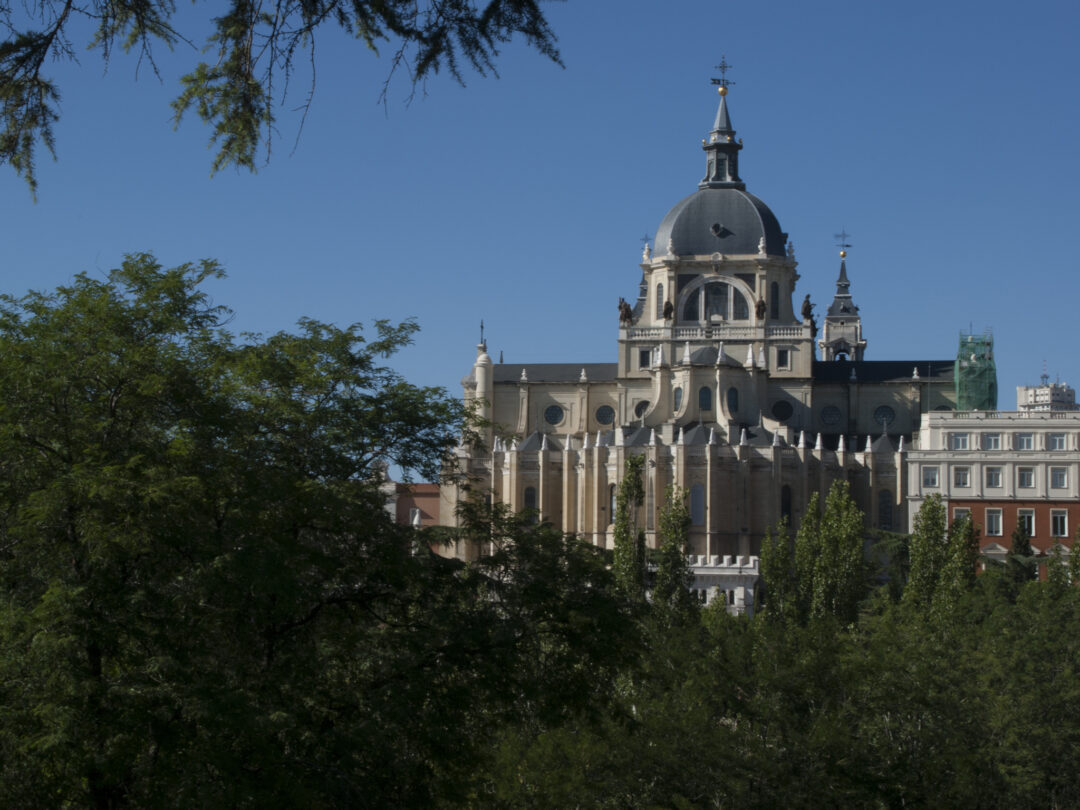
x,y
641,407
831,415
782,410
553,414
605,414
884,415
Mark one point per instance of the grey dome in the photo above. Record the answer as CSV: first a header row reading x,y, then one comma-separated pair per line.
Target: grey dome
x,y
719,220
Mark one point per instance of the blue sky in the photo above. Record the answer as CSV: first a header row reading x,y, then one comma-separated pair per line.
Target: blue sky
x,y
941,136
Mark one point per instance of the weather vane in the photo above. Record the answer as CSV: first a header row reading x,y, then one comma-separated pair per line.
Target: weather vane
x,y
724,82
842,242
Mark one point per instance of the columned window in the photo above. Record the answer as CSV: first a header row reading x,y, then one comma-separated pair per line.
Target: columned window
x,y
715,301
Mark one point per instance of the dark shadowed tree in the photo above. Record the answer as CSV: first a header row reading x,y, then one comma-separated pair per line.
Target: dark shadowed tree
x,y
671,595
629,562
203,600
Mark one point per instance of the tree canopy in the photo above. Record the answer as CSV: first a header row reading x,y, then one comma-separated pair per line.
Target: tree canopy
x,y
205,603
203,600
254,50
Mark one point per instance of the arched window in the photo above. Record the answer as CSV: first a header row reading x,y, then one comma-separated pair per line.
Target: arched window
x,y
719,302
733,399
740,309
697,505
774,300
611,503
885,509
716,301
659,301
785,502
678,398
704,398
690,309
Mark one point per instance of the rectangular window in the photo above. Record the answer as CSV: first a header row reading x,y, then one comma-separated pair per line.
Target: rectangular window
x,y
1024,441
1025,519
960,512
993,477
961,476
991,441
993,523
643,358
929,476
1055,441
1059,478
1025,477
783,358
1059,523
958,441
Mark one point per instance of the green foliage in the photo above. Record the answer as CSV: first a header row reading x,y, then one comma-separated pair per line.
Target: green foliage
x,y
629,558
929,552
255,49
807,548
204,602
1021,564
778,575
957,574
671,595
839,575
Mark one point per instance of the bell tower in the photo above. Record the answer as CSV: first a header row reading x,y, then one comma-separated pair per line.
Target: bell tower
x,y
842,337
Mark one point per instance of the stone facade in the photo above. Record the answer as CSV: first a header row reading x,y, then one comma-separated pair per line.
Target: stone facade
x,y
716,380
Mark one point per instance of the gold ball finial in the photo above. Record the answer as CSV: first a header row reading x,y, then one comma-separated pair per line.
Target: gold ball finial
x,y
843,254
721,90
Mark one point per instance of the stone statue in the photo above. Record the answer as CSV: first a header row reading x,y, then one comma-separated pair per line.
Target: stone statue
x,y
807,308
626,315
760,309
646,254
669,310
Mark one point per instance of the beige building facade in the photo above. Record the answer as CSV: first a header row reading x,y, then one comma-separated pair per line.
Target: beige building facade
x,y
1004,469
723,382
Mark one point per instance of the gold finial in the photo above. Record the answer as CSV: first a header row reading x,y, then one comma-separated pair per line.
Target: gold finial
x,y
843,254
721,90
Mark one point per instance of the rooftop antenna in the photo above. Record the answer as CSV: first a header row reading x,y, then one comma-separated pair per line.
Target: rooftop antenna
x,y
723,83
482,332
1045,377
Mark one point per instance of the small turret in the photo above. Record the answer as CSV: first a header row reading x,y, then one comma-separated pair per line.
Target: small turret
x,y
841,337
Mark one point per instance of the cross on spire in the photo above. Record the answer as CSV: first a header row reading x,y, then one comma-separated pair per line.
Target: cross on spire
x,y
645,239
842,239
723,67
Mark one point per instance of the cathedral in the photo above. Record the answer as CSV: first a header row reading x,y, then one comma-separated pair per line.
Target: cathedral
x,y
730,389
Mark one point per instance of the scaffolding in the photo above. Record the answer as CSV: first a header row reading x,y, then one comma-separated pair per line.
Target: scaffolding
x,y
975,373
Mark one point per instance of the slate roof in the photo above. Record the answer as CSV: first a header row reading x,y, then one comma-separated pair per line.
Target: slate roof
x,y
742,217
878,371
